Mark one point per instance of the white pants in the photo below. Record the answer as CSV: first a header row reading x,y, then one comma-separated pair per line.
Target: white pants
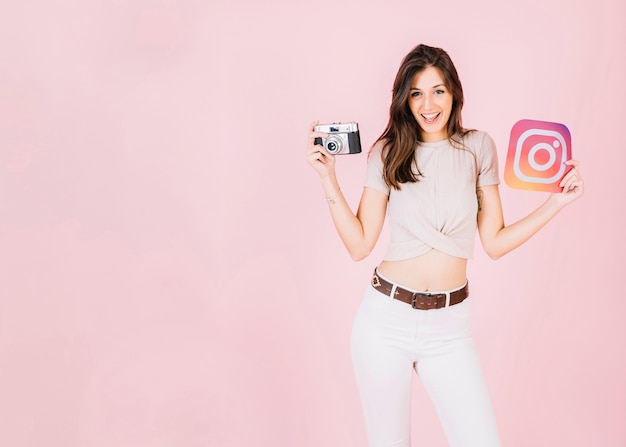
x,y
390,339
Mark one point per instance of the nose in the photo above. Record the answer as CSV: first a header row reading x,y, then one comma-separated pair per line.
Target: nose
x,y
428,100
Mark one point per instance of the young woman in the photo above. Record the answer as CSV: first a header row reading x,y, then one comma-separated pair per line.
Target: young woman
x,y
438,183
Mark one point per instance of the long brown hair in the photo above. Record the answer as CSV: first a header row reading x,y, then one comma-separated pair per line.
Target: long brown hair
x,y
403,132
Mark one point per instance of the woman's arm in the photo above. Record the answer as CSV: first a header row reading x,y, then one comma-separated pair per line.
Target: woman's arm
x,y
498,239
359,232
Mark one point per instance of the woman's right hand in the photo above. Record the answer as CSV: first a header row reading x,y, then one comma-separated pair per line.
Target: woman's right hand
x,y
316,154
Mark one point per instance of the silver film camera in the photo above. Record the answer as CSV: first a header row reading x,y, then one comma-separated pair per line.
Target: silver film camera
x,y
342,138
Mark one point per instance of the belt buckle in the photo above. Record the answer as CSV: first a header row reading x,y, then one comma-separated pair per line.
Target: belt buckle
x,y
432,297
420,295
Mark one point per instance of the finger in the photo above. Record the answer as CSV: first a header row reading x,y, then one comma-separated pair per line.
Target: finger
x,y
575,170
316,158
572,184
574,189
312,130
567,186
312,144
316,148
567,182
313,135
577,184
574,163
564,180
314,154
320,155
316,134
572,174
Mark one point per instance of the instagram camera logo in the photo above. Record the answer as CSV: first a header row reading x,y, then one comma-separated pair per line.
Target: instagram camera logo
x,y
537,154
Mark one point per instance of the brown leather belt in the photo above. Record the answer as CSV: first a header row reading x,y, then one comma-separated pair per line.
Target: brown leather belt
x,y
420,300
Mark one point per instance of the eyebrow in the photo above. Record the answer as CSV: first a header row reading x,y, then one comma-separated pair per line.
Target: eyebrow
x,y
434,86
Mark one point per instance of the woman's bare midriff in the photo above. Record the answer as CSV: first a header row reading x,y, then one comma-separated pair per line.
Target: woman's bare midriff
x,y
430,272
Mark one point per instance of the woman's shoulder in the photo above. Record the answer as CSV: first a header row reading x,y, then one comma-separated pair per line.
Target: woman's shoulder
x,y
379,145
477,140
378,149
474,135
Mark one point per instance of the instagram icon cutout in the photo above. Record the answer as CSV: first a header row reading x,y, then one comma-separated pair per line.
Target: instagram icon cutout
x,y
537,154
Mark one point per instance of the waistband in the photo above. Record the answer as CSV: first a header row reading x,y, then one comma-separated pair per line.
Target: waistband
x,y
419,300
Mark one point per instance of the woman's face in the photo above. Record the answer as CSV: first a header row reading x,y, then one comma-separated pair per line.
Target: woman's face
x,y
431,104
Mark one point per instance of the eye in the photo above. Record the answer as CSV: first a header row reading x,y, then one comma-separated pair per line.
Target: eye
x,y
416,94
439,92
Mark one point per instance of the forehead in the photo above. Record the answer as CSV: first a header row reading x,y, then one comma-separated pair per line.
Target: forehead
x,y
427,78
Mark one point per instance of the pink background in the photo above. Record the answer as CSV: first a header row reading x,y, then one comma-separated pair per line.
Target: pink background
x,y
169,275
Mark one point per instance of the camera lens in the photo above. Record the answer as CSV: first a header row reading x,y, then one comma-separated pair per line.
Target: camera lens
x,y
333,145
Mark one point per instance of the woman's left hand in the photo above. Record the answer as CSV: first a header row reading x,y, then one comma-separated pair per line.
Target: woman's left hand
x,y
573,185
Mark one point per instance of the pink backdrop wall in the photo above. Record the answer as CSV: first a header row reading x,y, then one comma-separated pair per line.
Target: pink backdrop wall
x,y
169,275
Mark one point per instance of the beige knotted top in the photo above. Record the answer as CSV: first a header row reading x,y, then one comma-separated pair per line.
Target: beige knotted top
x,y
440,210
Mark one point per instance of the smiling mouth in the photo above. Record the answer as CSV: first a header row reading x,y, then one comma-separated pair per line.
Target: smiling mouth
x,y
430,118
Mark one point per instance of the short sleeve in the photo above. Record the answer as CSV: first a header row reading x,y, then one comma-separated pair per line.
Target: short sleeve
x,y
374,174
488,173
